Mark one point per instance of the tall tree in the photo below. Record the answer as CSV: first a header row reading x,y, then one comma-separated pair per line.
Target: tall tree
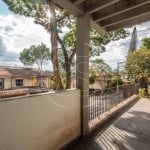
x,y
138,62
54,55
35,55
99,66
38,9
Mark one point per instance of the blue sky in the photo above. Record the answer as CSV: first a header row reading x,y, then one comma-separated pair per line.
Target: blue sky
x,y
18,32
3,8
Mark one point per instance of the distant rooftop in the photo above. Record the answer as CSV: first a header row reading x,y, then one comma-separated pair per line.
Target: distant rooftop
x,y
21,71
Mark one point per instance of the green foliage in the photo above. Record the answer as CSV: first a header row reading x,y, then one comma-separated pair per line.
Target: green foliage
x,y
142,92
116,80
35,54
99,66
92,79
148,80
52,84
38,10
97,41
146,43
29,8
138,62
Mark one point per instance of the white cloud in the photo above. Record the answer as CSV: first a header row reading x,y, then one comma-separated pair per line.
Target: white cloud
x,y
117,51
17,33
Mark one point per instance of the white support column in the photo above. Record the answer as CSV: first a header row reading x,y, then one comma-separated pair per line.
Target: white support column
x,y
82,68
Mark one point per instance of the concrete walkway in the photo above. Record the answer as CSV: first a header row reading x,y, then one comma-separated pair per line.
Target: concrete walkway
x,y
131,131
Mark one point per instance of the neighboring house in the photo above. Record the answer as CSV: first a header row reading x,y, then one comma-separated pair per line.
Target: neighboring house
x,y
18,77
100,82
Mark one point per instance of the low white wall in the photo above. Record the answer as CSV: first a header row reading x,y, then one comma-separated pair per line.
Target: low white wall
x,y
41,122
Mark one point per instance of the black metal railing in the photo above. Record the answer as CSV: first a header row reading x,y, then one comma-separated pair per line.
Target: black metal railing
x,y
101,101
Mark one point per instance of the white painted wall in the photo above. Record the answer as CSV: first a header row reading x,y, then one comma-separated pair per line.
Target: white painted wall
x,y
7,83
27,82
41,122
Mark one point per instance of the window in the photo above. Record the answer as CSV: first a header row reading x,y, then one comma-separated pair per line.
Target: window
x,y
19,82
1,83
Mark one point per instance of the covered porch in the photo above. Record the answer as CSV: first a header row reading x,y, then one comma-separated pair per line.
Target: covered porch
x,y
129,129
104,16
51,120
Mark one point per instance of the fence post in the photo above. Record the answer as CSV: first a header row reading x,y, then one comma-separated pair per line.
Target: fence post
x,y
125,91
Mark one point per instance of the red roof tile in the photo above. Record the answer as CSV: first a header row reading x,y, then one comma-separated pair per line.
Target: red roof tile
x,y
4,72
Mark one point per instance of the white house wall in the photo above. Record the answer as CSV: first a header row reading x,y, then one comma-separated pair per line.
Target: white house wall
x,y
7,83
27,82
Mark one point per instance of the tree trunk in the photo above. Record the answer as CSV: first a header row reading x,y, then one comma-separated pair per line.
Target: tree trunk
x,y
68,61
54,55
68,75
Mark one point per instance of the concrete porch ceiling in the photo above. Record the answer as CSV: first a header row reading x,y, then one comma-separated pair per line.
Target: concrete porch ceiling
x,y
109,15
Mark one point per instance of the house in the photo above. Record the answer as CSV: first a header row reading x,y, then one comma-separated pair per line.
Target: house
x,y
18,77
101,81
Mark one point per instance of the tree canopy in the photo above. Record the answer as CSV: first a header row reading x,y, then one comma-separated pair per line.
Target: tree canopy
x,y
39,10
146,42
99,66
35,55
138,62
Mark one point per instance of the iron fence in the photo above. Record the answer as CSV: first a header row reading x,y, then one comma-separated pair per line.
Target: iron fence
x,y
103,100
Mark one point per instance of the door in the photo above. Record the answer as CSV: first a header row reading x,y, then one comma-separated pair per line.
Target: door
x,y
1,83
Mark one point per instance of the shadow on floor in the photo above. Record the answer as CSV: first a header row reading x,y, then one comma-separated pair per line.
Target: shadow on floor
x,y
129,132
94,140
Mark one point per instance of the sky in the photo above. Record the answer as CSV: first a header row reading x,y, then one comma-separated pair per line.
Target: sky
x,y
18,32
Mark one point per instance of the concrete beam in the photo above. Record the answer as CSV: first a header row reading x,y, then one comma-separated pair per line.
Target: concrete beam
x,y
76,11
97,27
134,21
82,69
73,9
126,16
76,2
118,8
99,5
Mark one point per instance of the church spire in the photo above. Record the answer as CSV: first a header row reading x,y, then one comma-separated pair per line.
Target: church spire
x,y
133,42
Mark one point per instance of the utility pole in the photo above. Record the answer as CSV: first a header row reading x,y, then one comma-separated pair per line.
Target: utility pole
x,y
133,42
119,65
